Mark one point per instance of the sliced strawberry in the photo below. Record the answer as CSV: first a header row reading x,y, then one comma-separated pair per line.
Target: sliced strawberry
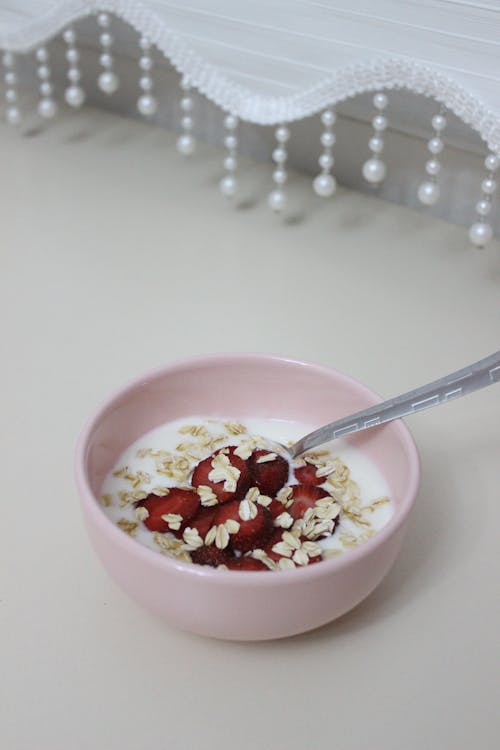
x,y
269,476
212,556
304,496
200,476
316,559
276,508
278,537
185,503
203,520
252,533
274,539
246,563
307,475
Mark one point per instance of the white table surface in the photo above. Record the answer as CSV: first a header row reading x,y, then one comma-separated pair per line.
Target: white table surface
x,y
117,257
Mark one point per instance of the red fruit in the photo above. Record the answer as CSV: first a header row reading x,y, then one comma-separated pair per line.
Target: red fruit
x,y
246,563
212,556
276,508
278,537
269,476
274,539
200,476
307,475
203,520
316,559
185,503
304,496
252,533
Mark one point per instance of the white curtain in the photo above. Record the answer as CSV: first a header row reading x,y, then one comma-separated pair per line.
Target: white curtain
x,y
286,59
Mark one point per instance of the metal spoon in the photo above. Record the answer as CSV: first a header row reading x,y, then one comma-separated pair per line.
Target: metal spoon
x,y
459,383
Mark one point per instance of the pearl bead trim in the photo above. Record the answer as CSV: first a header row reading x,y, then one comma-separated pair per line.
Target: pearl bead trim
x,y
277,198
374,169
12,112
428,191
186,144
350,80
74,93
47,107
108,81
324,184
481,232
147,104
229,184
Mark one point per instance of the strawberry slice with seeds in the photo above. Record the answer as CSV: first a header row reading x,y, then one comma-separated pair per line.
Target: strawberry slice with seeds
x,y
181,504
246,563
205,468
312,560
276,508
203,521
316,558
281,517
307,475
270,471
275,538
305,496
253,532
212,556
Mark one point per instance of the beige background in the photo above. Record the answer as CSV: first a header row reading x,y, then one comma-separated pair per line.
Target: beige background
x,y
116,257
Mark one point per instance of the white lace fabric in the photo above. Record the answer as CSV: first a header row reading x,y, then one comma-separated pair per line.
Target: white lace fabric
x,y
355,70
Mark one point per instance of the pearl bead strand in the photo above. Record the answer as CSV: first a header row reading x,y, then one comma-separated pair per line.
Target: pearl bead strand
x,y
428,191
481,232
374,169
108,81
47,107
12,113
74,94
146,103
186,144
229,184
277,198
325,184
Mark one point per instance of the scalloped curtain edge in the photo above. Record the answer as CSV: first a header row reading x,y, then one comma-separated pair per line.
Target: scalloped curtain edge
x,y
349,81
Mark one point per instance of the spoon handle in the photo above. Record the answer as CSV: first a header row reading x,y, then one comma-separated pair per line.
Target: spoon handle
x,y
459,383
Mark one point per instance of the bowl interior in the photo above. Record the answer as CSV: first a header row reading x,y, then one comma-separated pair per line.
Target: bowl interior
x,y
244,386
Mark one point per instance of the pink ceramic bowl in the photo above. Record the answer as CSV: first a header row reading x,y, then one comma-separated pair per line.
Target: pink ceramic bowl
x,y
243,605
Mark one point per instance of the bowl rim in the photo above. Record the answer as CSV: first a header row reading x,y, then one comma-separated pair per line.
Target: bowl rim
x,y
91,506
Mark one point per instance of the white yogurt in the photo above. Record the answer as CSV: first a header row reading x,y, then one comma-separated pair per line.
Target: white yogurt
x,y
137,458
